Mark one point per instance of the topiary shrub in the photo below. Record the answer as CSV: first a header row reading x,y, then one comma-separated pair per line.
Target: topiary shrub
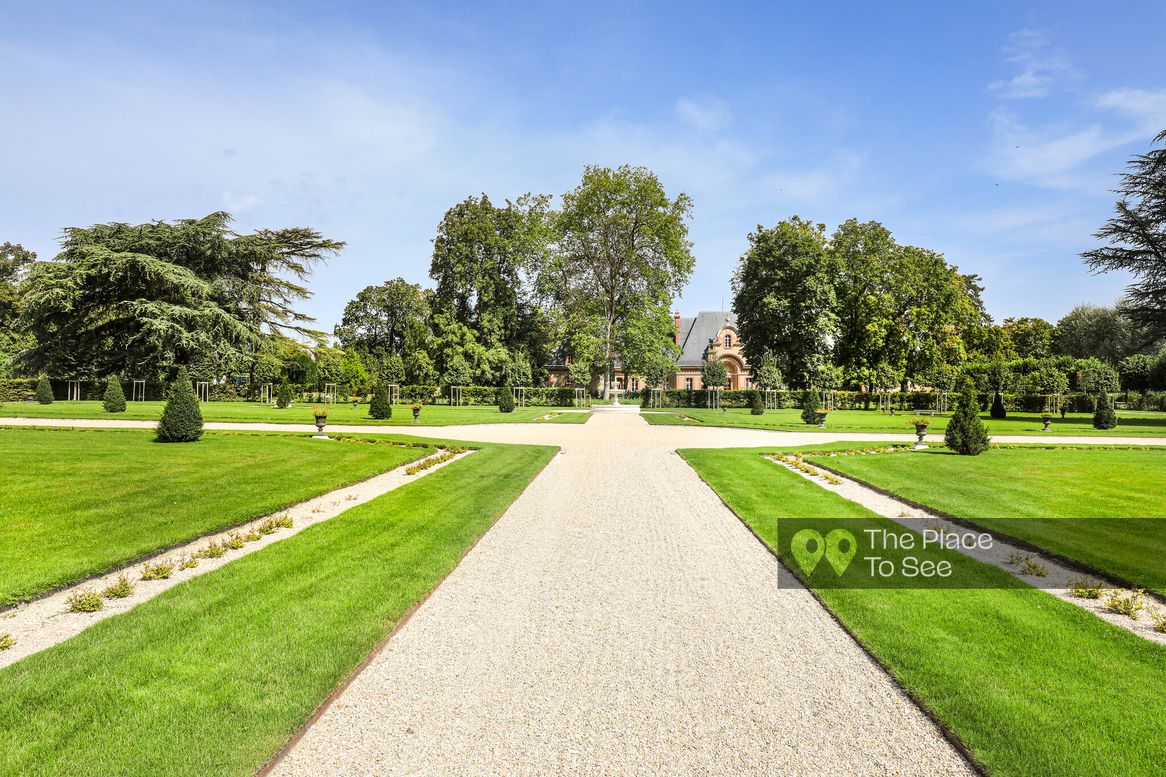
x,y
998,411
283,396
379,406
114,400
505,400
181,418
44,391
756,404
1103,415
966,433
810,407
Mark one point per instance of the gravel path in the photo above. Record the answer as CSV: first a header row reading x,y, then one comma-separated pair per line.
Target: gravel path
x,y
619,619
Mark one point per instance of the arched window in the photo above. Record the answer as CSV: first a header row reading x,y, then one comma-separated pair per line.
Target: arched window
x,y
728,341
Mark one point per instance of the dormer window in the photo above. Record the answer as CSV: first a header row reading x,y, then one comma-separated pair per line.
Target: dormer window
x,y
728,341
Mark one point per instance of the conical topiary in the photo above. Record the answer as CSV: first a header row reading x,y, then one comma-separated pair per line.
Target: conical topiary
x,y
506,399
114,400
756,405
44,390
283,396
181,418
810,407
1103,415
998,411
966,433
379,407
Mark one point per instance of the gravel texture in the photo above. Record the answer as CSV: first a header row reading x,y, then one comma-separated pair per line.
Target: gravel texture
x,y
47,621
619,619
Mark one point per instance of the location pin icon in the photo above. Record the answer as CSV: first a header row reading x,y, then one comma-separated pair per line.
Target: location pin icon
x,y
840,549
800,546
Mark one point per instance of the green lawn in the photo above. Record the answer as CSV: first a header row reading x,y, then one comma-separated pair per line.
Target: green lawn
x,y
1034,686
1104,508
431,415
1130,423
213,676
80,502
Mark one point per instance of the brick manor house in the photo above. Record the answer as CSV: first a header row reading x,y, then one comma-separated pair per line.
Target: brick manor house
x,y
710,334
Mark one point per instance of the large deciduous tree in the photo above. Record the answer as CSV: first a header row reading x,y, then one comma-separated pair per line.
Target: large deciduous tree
x,y
1136,238
1090,331
376,320
784,298
623,255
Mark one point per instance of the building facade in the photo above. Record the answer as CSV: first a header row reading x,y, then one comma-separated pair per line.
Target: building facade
x,y
709,335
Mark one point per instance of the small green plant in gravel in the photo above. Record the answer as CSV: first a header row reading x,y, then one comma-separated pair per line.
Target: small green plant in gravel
x,y
1085,588
187,561
119,590
252,536
1159,619
284,522
157,570
267,527
6,641
234,541
84,601
211,550
1033,568
1128,603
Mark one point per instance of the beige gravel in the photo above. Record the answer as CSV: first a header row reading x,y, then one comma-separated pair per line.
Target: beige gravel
x,y
40,624
620,620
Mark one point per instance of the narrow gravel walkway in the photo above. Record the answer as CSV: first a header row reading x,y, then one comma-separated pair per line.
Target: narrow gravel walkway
x,y
619,619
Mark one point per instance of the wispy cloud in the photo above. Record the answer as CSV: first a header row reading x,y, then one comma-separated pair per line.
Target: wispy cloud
x,y
1041,66
707,115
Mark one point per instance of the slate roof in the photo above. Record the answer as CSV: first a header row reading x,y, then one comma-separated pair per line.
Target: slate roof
x,y
696,333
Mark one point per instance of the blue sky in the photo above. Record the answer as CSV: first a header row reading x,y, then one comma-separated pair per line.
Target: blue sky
x,y
990,132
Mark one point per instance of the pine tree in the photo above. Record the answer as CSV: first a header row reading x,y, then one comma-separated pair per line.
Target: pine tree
x,y
505,400
44,390
283,396
810,407
379,406
114,400
966,433
181,418
756,405
998,411
1103,415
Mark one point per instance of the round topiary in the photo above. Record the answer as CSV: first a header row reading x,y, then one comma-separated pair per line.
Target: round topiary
x,y
966,433
181,418
44,390
1104,416
998,411
756,405
114,400
505,400
810,407
378,406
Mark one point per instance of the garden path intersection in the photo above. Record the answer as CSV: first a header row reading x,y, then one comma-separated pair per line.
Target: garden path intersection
x,y
618,618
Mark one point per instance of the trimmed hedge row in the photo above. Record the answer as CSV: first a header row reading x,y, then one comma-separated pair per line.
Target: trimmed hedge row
x,y
855,400
20,389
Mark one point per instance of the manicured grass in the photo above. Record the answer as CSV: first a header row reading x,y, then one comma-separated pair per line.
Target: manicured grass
x,y
80,502
213,676
1032,685
1104,508
300,413
1130,423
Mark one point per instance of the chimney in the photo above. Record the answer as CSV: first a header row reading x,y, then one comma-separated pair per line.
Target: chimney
x,y
676,327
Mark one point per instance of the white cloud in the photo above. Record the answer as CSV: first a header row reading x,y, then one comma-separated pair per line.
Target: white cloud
x,y
1041,66
240,203
707,115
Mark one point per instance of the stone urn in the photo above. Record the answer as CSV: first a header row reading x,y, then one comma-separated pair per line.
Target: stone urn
x,y
920,433
321,419
416,413
1046,419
